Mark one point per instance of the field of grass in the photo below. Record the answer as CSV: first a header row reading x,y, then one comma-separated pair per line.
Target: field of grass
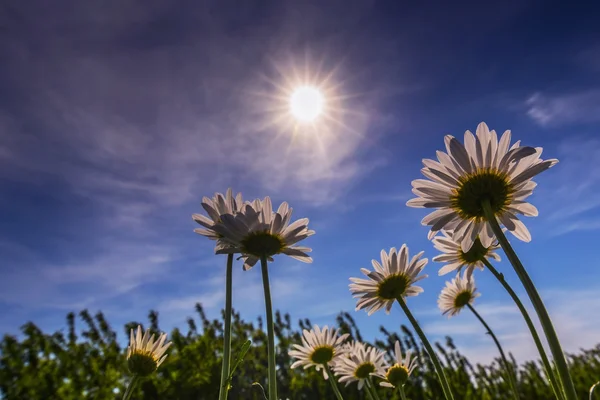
x,y
85,361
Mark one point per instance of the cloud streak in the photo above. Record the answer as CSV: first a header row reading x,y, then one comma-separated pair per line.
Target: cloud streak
x,y
560,109
572,314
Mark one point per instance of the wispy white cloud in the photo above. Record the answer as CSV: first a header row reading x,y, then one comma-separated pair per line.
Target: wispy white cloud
x,y
86,282
572,311
565,108
571,195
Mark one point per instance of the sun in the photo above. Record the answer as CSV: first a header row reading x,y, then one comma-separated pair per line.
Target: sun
x,y
306,103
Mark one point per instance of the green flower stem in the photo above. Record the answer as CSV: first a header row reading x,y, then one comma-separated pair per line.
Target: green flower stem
x,y
401,390
536,300
333,383
369,392
507,366
270,330
536,338
592,389
372,387
432,355
224,388
134,381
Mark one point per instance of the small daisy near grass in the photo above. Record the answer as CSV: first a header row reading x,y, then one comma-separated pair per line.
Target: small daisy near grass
x,y
321,347
144,355
361,362
456,259
457,294
256,231
391,279
484,169
397,375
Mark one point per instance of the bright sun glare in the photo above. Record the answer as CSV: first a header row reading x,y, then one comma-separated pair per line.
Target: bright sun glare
x,y
306,103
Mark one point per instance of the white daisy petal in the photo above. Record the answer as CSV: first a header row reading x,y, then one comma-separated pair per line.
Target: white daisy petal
x,y
533,171
524,208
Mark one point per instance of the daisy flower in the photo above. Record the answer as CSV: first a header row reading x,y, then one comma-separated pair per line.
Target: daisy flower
x,y
144,355
397,375
456,259
456,295
483,169
393,278
216,207
360,364
256,231
352,347
320,348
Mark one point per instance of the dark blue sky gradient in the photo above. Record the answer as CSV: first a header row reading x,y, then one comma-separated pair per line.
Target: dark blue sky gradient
x,y
116,117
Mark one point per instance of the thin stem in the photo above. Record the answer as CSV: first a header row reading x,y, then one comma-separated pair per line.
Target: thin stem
x,y
369,391
224,389
372,387
333,383
538,304
536,338
432,355
401,390
270,330
592,389
511,378
134,380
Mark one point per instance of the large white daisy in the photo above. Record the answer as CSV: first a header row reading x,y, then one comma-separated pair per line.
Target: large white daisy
x,y
360,362
393,278
320,347
483,169
256,230
144,355
457,294
456,259
397,375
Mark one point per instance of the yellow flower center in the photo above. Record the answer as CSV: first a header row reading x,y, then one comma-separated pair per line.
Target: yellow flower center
x,y
262,244
473,189
463,298
142,363
393,287
364,370
322,355
476,253
397,375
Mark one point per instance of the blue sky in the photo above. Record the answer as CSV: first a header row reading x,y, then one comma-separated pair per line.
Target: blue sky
x,y
117,117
